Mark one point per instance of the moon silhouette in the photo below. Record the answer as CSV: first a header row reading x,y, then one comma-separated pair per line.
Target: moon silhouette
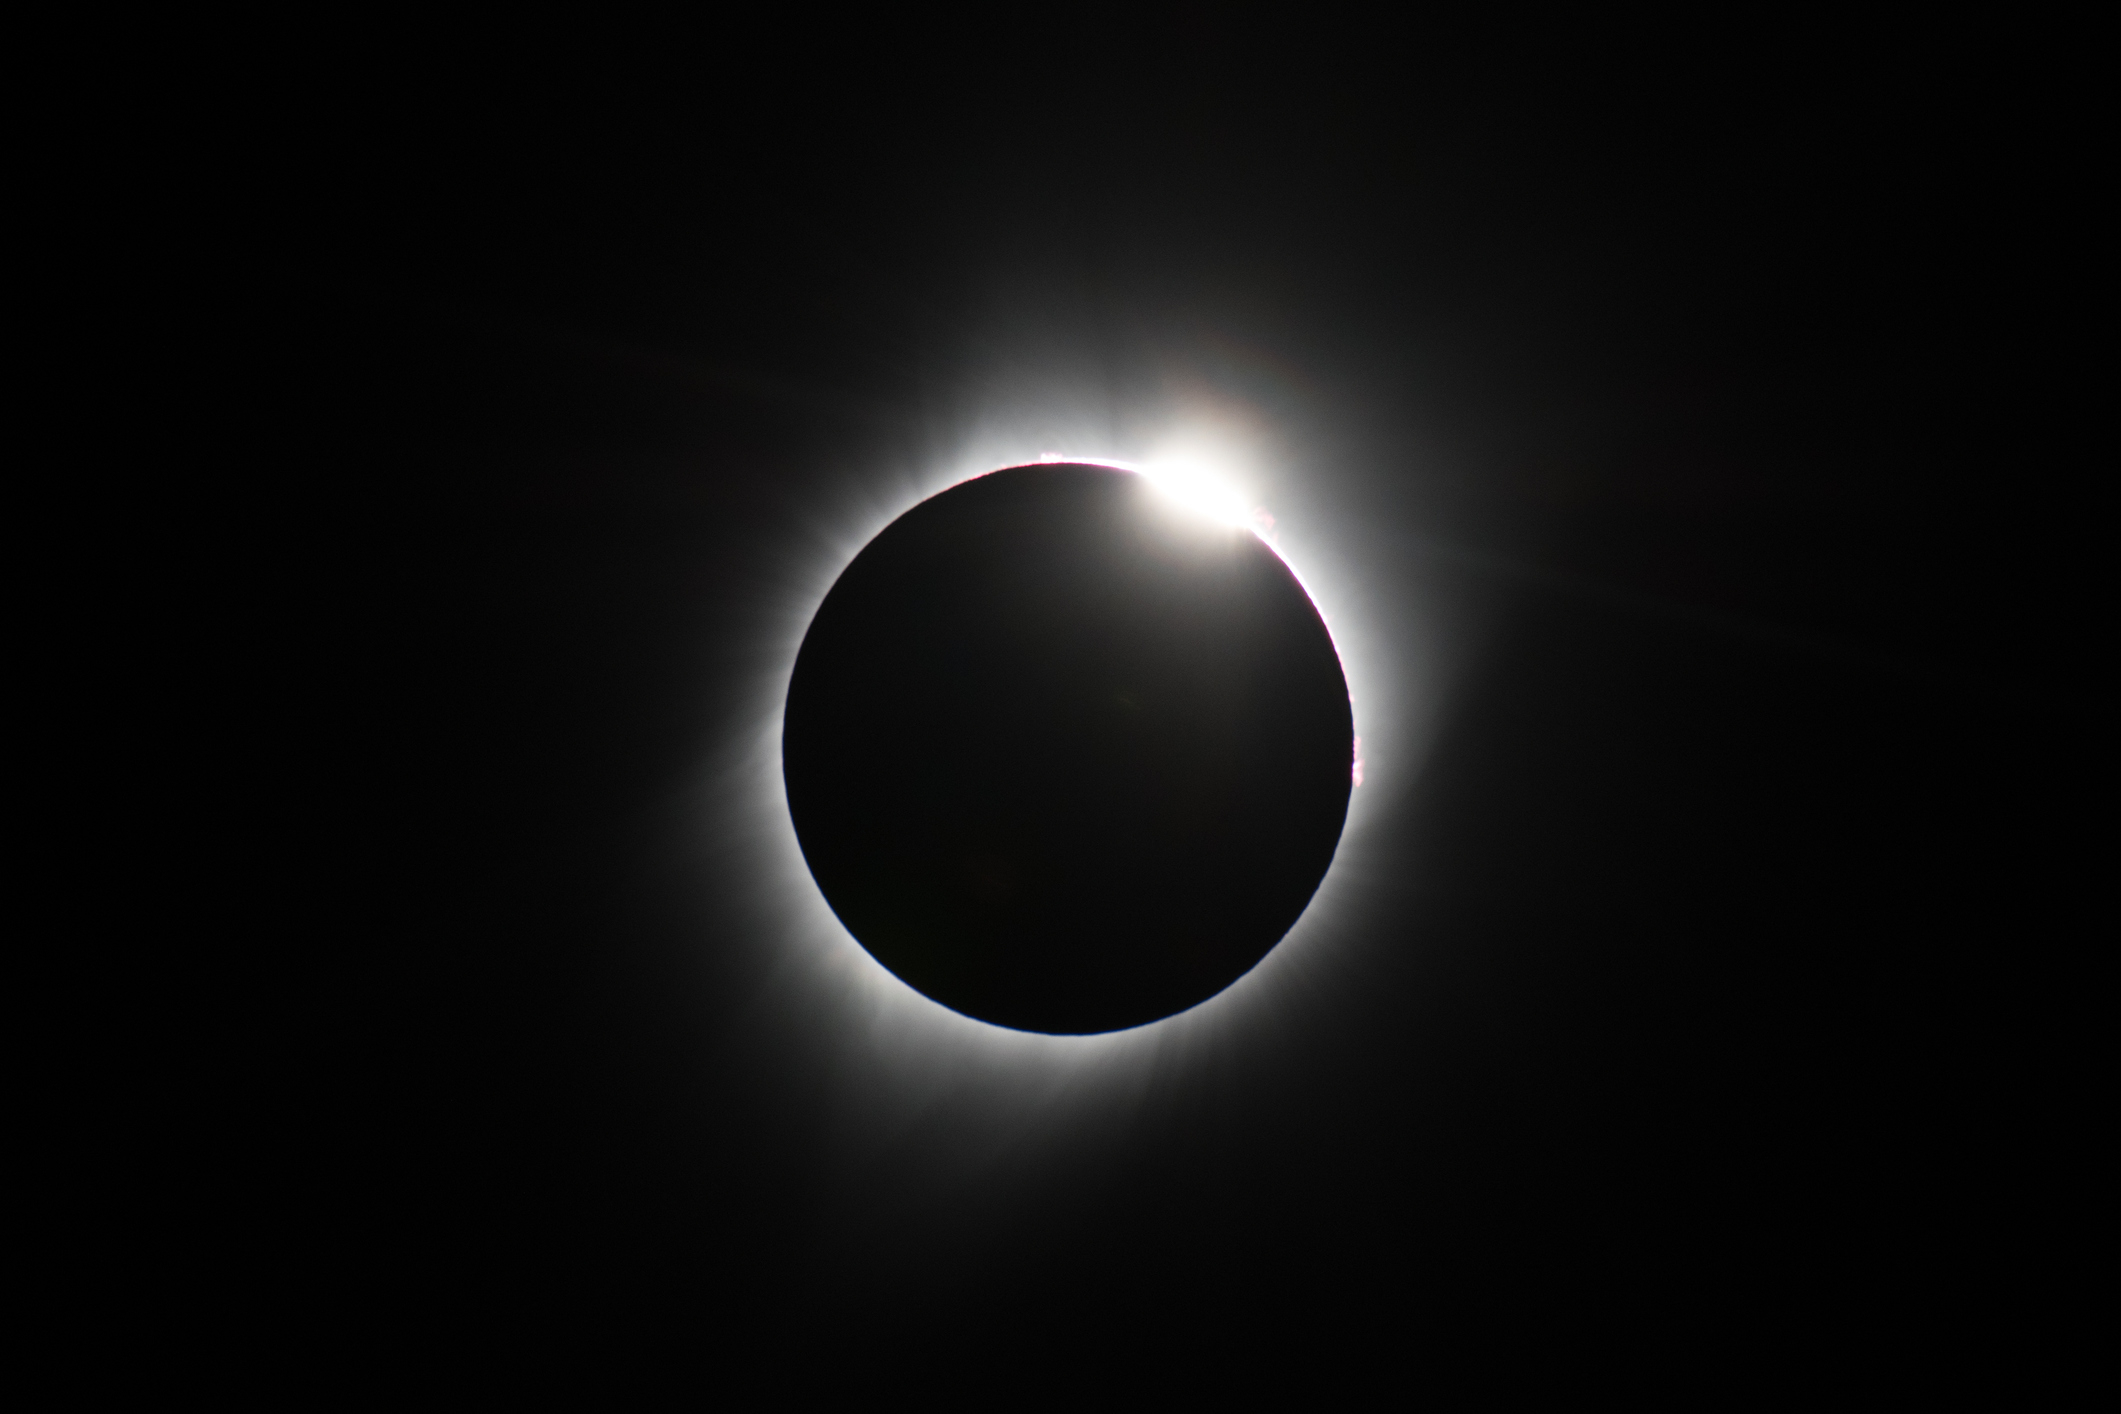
x,y
1066,756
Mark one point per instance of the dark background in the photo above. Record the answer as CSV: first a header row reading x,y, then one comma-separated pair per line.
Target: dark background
x,y
1684,383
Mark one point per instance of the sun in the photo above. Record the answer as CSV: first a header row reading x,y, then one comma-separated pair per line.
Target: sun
x,y
835,1005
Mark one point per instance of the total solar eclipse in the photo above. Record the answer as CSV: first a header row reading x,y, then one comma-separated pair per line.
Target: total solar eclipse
x,y
1064,754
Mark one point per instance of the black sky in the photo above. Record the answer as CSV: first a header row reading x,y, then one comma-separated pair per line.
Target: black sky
x,y
1649,365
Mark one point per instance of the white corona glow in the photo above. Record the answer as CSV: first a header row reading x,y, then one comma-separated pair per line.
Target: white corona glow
x,y
892,1053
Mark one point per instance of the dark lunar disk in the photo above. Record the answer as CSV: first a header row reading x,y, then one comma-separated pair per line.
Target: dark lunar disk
x,y
1063,755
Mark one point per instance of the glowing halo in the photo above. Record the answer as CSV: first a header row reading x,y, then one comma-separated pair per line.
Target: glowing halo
x,y
895,1051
